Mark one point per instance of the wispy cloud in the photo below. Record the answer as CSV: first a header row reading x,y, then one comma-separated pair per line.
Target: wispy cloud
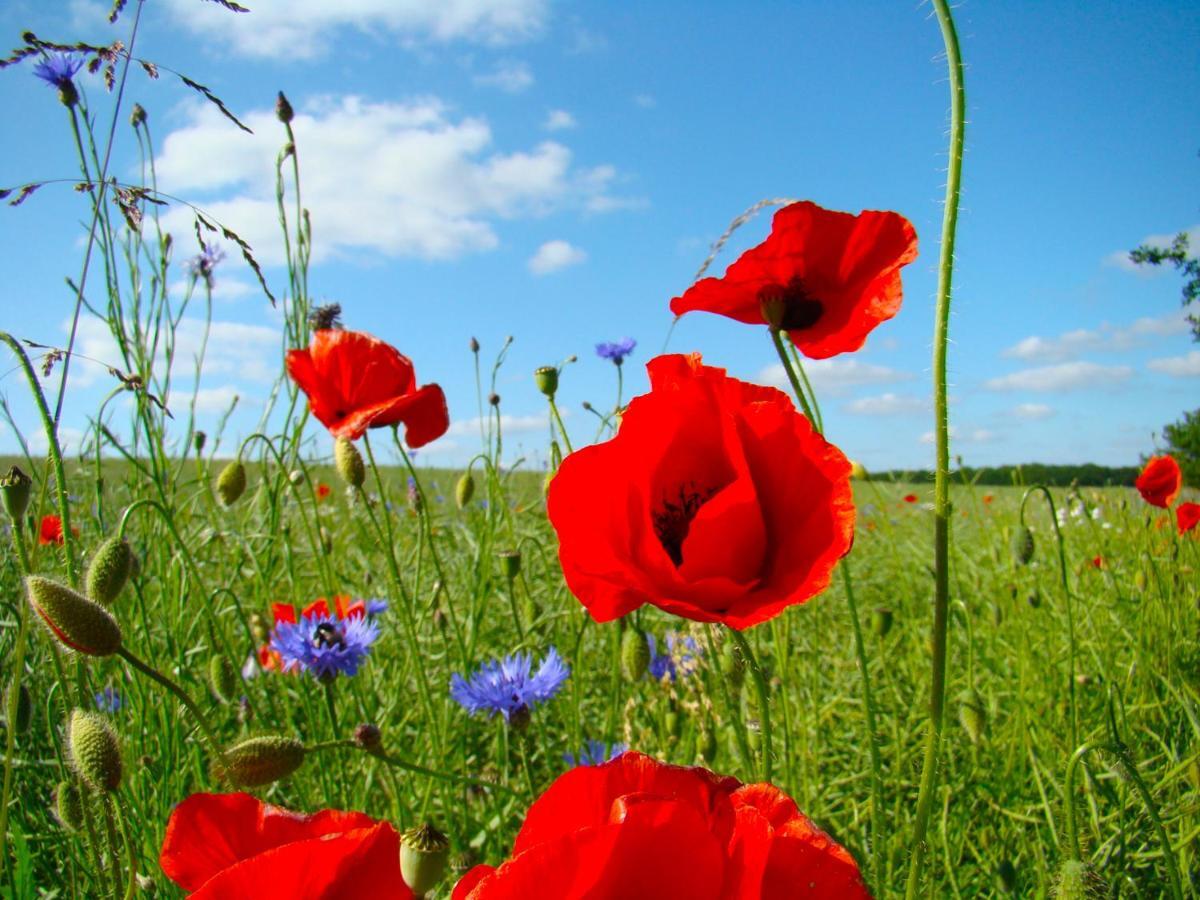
x,y
835,376
1107,338
559,120
1178,366
1065,377
555,255
1032,411
510,75
888,404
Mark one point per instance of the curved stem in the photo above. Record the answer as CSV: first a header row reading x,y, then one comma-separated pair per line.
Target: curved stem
x,y
791,374
152,673
1069,799
764,699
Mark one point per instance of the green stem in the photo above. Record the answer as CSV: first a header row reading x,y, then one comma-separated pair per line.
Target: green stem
x,y
441,776
561,428
791,374
152,673
764,699
13,695
1069,799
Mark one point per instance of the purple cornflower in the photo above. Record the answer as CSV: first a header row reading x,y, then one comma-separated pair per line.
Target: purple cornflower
x,y
375,607
507,687
681,658
324,646
205,262
57,69
592,753
616,350
109,700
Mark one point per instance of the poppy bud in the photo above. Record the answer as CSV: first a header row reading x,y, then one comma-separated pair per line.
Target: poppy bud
x,y
283,109
68,806
199,439
1078,881
368,737
109,570
1023,546
231,483
14,492
222,677
733,667
74,619
349,462
260,760
494,398
464,490
474,345
510,563
95,753
546,379
138,115
1006,876
22,715
973,716
635,654
882,619
296,477
259,628
423,854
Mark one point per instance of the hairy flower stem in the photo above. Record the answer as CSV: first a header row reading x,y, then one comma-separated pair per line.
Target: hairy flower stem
x,y
13,696
801,397
764,699
941,488
1069,799
155,675
561,428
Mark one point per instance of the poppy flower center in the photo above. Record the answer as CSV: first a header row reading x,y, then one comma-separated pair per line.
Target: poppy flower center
x,y
674,519
790,305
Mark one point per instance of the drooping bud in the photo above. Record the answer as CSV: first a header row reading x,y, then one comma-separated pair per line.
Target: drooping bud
x,y
68,806
423,854
973,715
19,708
349,463
368,737
1023,545
883,618
283,109
635,654
510,563
137,116
72,618
1078,881
231,483
222,678
14,492
109,570
95,753
296,477
260,760
546,379
464,490
199,439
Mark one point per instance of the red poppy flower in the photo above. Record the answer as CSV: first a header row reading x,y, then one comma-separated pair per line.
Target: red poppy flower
x,y
1097,562
634,827
910,498
831,276
716,501
355,381
1160,481
988,498
323,490
1187,515
51,530
233,845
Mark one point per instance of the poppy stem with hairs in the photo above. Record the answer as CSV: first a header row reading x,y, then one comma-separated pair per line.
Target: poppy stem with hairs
x,y
764,705
941,427
150,672
561,428
791,374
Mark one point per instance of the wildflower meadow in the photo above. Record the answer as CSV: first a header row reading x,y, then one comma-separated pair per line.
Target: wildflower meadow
x,y
690,648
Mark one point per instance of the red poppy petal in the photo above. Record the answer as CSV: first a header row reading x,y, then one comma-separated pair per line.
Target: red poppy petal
x,y
1160,481
283,612
360,367
423,413
1187,515
474,877
319,607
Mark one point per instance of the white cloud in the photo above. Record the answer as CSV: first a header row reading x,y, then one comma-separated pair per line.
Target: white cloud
x,y
1032,411
1120,258
1064,377
888,405
306,29
223,288
510,75
645,101
960,436
835,376
559,120
1178,366
396,178
1107,338
555,255
212,400
70,441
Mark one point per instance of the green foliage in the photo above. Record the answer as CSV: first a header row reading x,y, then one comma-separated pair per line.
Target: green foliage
x,y
1080,474
1182,441
1187,266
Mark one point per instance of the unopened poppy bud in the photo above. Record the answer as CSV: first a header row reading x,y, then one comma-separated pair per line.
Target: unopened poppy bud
x,y
546,379
259,628
1006,876
222,678
368,737
464,490
733,667
973,716
635,654
14,492
423,854
199,439
68,806
474,345
137,116
95,753
883,618
494,398
22,714
231,483
109,570
260,760
1023,545
349,463
510,563
72,618
283,109
1079,881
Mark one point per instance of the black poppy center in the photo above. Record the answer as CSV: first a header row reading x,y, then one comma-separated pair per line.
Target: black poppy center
x,y
790,307
326,635
673,520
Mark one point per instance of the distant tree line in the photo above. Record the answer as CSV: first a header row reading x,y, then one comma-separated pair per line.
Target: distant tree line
x,y
1082,474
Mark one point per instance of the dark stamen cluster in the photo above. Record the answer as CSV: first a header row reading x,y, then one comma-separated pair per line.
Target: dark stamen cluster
x,y
674,519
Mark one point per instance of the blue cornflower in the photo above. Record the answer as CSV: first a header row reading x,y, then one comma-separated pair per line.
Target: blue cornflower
x,y
594,752
375,607
204,263
616,350
57,69
109,700
681,657
507,687
324,646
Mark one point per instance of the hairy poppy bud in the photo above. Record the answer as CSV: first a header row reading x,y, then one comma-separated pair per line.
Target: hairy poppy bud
x,y
222,677
1078,881
464,490
14,492
260,760
68,806
138,115
349,463
74,619
109,570
882,619
283,109
18,708
368,737
546,379
510,563
231,483
1023,545
973,716
199,439
635,654
95,753
423,854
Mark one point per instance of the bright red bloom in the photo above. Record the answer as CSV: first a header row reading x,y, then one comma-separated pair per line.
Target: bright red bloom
x,y
988,498
323,490
910,498
355,381
233,845
1160,481
832,276
1097,562
1187,516
716,501
343,608
637,828
51,530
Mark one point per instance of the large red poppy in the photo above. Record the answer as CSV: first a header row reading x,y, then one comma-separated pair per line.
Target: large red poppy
x,y
355,381
1187,516
636,828
233,845
833,275
1160,481
716,501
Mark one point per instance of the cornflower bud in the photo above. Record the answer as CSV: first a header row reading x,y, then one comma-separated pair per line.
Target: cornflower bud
x,y
283,109
368,737
137,116
199,439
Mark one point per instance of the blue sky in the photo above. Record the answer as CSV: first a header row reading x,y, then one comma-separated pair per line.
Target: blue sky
x,y
556,171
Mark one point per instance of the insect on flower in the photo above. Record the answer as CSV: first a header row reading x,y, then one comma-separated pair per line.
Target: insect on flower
x,y
320,642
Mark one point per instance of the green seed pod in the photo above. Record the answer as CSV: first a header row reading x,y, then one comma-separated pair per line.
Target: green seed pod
x,y
733,667
464,490
68,805
882,620
109,570
22,716
1023,546
260,760
1078,881
72,618
349,463
510,563
635,654
231,483
423,854
95,753
972,714
15,486
222,678
1006,876
546,379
